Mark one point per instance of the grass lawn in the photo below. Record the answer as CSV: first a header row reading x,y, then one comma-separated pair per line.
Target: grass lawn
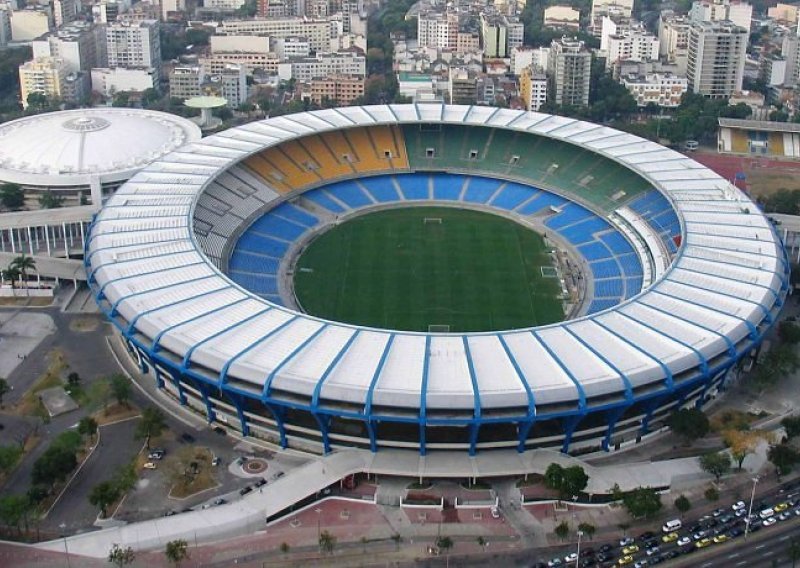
x,y
473,271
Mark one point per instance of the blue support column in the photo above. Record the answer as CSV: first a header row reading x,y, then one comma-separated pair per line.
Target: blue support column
x,y
210,414
373,442
179,388
570,424
524,431
613,417
324,422
279,413
238,400
650,407
159,378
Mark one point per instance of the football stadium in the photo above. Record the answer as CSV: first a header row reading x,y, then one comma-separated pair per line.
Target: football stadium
x,y
435,278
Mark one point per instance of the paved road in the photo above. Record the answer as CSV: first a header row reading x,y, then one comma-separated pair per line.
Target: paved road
x,y
117,448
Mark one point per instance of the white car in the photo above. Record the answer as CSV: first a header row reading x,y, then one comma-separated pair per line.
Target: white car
x,y
628,540
769,522
150,465
495,512
684,540
571,558
652,551
738,505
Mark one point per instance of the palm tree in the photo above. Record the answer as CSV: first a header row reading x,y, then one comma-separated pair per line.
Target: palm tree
x,y
12,274
24,263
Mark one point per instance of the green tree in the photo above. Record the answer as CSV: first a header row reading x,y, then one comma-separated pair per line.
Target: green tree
x,y
712,494
327,542
73,379
445,543
24,264
121,389
176,551
104,494
4,389
15,510
642,502
49,200
9,456
794,551
554,477
574,481
716,463
121,556
38,101
285,548
792,426
562,530
53,465
151,425
11,196
87,426
588,529
683,504
12,274
783,457
690,424
789,332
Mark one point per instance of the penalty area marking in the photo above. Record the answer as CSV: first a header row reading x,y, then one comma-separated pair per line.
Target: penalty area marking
x,y
548,272
432,220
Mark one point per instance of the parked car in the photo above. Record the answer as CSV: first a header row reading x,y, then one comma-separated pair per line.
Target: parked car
x,y
260,483
216,461
220,430
495,512
187,438
149,465
245,490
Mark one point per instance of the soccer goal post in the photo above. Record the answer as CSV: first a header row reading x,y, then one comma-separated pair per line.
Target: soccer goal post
x,y
438,328
432,220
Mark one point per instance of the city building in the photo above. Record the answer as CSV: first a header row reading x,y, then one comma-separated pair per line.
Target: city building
x,y
291,47
318,32
108,82
760,137
45,75
662,89
133,44
30,23
525,56
562,18
324,64
462,86
632,46
740,13
5,25
612,8
772,70
229,83
673,34
533,88
716,58
340,89
411,85
784,13
186,82
570,66
81,45
437,29
64,11
171,8
500,34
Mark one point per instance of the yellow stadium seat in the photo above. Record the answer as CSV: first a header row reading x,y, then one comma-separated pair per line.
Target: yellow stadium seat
x,y
330,167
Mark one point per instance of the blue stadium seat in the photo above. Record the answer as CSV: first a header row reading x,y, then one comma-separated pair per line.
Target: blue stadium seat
x,y
446,187
323,200
617,243
244,261
479,189
253,242
381,188
540,202
572,213
594,251
348,192
633,286
295,214
414,186
605,269
512,196
256,283
611,288
274,226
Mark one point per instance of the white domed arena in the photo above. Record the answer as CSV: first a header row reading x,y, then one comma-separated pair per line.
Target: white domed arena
x,y
673,275
75,152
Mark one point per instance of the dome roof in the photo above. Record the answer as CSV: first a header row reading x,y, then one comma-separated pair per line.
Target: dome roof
x,y
68,148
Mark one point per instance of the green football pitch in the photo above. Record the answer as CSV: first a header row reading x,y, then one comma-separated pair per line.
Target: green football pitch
x,y
417,267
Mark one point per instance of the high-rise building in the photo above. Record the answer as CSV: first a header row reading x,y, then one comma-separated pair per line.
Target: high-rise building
x,y
740,13
500,34
435,29
133,44
5,26
81,45
30,23
612,8
715,66
570,66
635,45
65,11
340,89
318,32
533,88
44,75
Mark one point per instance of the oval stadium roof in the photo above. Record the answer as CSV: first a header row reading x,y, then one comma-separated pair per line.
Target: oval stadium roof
x,y
68,148
723,284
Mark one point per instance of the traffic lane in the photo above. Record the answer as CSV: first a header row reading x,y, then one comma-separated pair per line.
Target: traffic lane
x,y
760,548
117,448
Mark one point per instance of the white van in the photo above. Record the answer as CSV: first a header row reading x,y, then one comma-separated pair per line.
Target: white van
x,y
672,526
766,513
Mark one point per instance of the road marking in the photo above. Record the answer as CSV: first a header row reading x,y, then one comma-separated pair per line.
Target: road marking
x,y
760,546
742,563
785,537
734,555
706,565
769,553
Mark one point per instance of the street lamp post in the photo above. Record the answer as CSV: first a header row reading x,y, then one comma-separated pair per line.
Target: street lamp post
x,y
319,533
578,558
750,508
63,527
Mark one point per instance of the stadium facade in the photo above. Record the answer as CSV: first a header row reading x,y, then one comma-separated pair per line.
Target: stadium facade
x,y
691,272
